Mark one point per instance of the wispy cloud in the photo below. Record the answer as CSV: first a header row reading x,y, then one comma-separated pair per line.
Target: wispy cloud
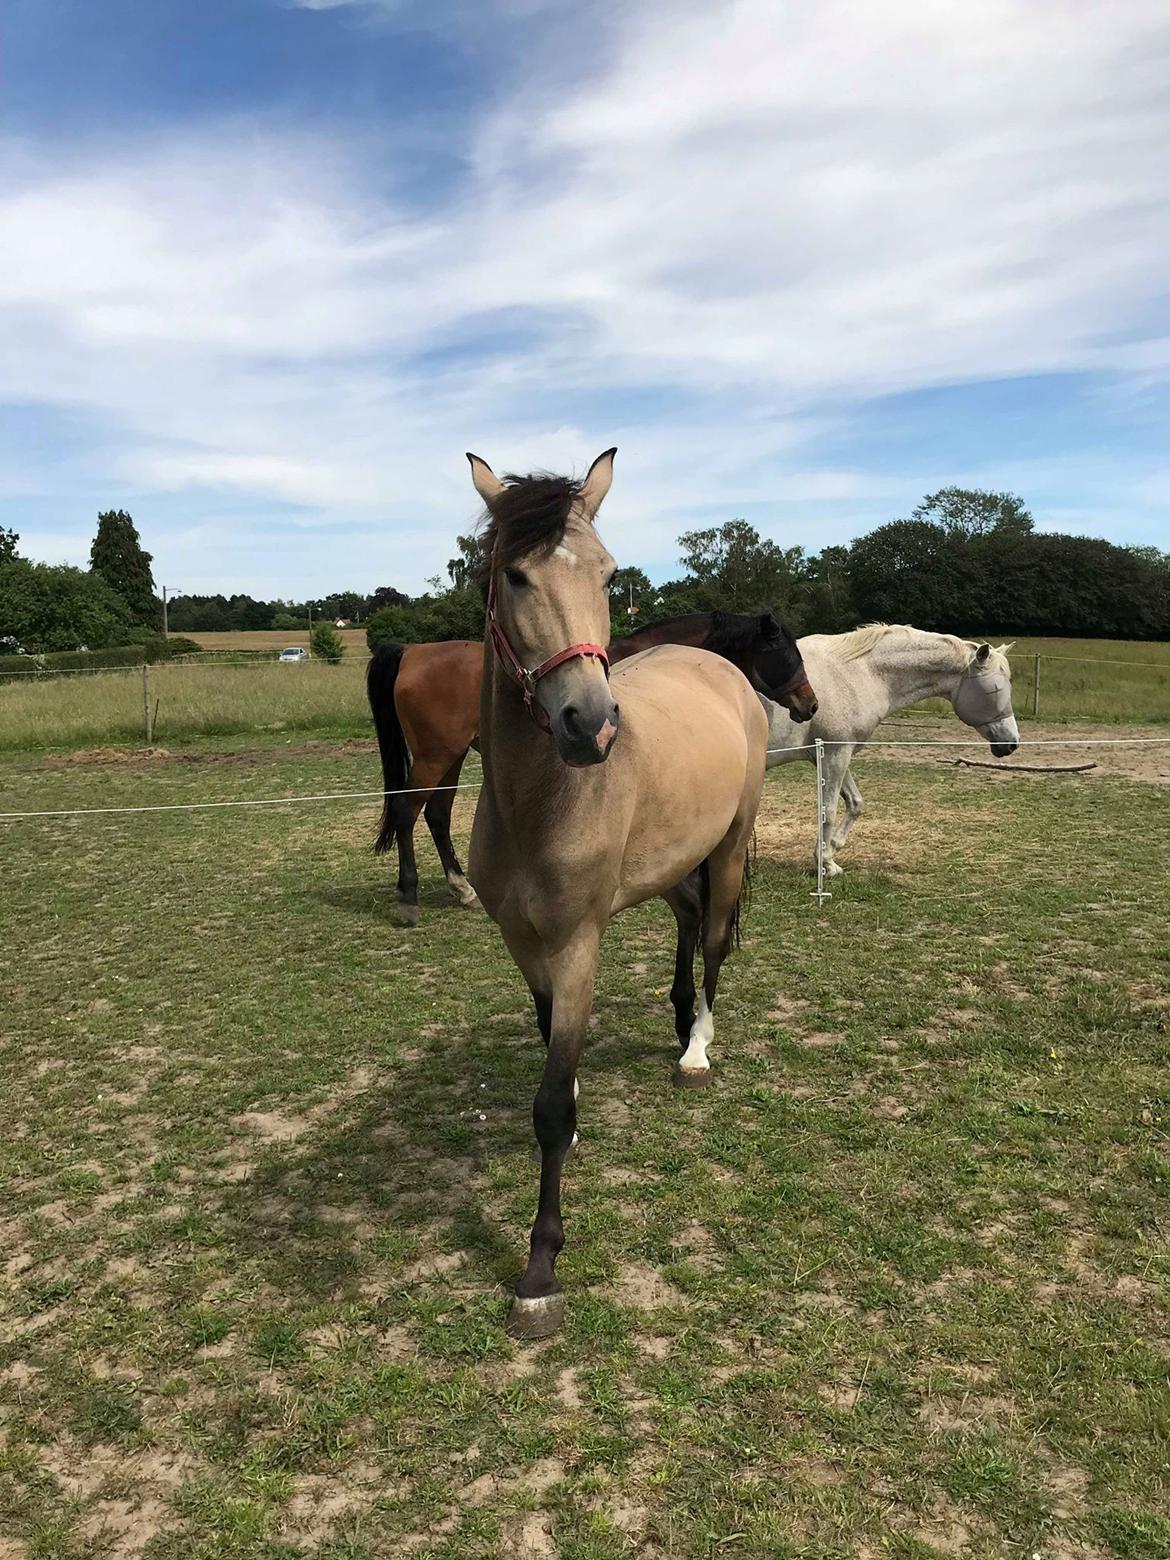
x,y
739,226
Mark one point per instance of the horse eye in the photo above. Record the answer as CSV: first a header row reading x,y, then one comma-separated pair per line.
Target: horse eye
x,y
516,577
610,578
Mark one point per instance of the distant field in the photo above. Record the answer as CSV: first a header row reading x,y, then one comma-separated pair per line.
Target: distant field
x,y
192,700
354,639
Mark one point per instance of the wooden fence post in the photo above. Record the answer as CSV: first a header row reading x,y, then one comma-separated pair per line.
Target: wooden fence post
x,y
147,722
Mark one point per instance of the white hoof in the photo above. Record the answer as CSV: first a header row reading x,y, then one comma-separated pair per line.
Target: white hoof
x,y
833,870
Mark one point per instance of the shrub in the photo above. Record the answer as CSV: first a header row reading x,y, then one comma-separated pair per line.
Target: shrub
x,y
324,645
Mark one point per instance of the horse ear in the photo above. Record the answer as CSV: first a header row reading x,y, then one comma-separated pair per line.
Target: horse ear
x,y
487,484
982,654
597,481
770,631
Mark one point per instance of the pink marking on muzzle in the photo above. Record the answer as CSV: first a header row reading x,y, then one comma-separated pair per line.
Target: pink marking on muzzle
x,y
605,736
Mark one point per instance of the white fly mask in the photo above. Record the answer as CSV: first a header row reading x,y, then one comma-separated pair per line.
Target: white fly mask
x,y
983,700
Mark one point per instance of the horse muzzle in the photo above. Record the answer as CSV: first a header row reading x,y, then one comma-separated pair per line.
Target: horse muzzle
x,y
800,702
585,730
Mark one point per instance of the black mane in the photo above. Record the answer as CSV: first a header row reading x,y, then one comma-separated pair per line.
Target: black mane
x,y
732,632
529,514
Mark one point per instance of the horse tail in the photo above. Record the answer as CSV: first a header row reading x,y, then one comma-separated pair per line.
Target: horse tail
x,y
381,677
743,900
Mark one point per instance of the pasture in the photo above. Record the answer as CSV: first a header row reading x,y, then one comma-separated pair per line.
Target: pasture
x,y
196,701
894,1285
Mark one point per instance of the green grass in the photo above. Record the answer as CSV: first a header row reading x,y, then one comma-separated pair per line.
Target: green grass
x,y
1093,679
893,1285
198,701
192,701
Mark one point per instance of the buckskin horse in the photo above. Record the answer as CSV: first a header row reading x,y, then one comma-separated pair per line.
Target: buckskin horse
x,y
599,792
425,703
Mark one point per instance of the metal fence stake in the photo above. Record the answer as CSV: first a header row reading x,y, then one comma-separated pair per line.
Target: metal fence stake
x,y
821,893
146,720
1036,686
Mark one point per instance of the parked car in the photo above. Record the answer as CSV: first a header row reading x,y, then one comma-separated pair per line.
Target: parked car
x,y
293,654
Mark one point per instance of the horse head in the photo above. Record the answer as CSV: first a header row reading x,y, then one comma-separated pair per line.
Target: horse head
x,y
983,699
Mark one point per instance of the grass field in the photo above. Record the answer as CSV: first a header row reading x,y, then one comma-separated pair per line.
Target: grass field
x,y
195,701
894,1286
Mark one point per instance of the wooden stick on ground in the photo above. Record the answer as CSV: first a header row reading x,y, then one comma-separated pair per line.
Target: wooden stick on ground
x,y
1022,769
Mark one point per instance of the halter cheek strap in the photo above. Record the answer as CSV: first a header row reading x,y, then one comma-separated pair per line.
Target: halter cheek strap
x,y
525,679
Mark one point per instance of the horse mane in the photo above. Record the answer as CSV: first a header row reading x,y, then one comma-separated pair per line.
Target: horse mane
x,y
734,632
529,514
861,641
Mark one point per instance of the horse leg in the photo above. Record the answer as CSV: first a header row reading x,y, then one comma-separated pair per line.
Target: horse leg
x,y
438,815
852,798
723,886
424,775
538,1308
836,765
686,901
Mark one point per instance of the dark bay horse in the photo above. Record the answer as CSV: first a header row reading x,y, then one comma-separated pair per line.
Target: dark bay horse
x,y
599,792
425,702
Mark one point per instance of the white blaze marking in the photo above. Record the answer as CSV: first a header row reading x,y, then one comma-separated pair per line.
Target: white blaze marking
x,y
694,1058
567,553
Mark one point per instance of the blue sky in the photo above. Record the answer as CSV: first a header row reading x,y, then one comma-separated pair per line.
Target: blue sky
x,y
269,268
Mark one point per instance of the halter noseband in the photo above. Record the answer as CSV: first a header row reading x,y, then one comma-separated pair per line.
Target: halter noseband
x,y
527,680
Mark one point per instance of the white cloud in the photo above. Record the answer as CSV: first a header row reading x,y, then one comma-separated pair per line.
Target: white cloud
x,y
764,208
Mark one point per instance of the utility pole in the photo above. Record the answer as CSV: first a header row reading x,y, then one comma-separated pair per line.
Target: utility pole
x,y
175,591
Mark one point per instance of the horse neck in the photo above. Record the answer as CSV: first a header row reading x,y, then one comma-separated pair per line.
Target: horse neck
x,y
521,769
924,666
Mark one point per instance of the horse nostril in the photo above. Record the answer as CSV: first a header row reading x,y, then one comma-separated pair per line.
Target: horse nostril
x,y
572,719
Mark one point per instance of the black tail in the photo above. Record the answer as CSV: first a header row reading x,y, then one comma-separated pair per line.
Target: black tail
x,y
381,676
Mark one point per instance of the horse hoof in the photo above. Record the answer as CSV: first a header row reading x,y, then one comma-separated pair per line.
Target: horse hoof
x,y
538,1318
409,914
691,1077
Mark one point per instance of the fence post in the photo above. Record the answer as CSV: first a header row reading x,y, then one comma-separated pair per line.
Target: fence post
x,y
1036,686
146,720
821,894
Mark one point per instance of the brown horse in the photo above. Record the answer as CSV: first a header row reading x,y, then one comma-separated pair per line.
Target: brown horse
x,y
590,805
425,702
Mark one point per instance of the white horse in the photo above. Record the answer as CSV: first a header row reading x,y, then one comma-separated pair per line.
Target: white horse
x,y
862,677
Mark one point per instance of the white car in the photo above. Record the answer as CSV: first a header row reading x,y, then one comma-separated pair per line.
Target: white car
x,y
293,654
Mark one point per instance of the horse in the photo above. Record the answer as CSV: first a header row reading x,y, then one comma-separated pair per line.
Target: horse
x,y
425,703
866,675
599,792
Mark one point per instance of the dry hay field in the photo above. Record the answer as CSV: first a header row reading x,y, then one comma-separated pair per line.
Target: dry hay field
x,y
276,639
895,1285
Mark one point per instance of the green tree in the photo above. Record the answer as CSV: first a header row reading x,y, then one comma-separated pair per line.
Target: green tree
x,y
324,645
972,512
468,568
743,569
118,557
47,607
8,541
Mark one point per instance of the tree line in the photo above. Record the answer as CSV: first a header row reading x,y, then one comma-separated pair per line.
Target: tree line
x,y
967,561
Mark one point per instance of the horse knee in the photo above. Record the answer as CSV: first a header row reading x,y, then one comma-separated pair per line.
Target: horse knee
x,y
554,1115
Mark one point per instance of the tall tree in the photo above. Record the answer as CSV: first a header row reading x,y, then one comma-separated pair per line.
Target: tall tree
x,y
118,556
8,541
971,512
744,569
469,567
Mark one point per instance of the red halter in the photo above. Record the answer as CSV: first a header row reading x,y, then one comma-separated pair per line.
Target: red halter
x,y
527,680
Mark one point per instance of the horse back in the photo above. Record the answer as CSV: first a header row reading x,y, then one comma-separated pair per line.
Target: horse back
x,y
437,694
